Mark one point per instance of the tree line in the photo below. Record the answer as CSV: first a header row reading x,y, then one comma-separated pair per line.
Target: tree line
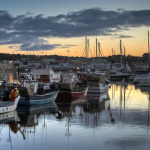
x,y
129,58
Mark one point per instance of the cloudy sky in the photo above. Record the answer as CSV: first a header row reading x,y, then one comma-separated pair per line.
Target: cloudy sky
x,y
60,26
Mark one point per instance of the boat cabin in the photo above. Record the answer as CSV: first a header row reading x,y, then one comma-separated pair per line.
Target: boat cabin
x,y
46,75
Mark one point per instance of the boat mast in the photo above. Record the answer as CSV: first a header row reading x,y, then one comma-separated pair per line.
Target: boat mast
x,y
112,56
96,47
120,54
86,47
99,49
124,61
148,52
112,52
27,59
86,50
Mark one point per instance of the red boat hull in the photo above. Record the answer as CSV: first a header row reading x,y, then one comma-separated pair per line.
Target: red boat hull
x,y
72,94
65,97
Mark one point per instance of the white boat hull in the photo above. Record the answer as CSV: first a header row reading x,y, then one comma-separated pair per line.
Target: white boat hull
x,y
144,84
9,106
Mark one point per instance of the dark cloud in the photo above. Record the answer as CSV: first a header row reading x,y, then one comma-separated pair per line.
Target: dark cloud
x,y
38,47
68,46
6,20
28,30
122,36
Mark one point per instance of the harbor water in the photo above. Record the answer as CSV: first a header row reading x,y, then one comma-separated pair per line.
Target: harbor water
x,y
121,122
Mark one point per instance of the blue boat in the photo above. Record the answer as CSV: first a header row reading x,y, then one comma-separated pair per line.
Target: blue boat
x,y
33,92
39,99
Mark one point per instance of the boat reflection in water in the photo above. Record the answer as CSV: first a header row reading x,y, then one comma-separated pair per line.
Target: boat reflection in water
x,y
97,98
38,109
119,123
29,115
85,109
9,116
8,124
94,110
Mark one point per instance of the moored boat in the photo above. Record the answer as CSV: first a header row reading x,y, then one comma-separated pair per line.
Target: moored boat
x,y
71,87
119,75
140,78
144,83
34,93
97,83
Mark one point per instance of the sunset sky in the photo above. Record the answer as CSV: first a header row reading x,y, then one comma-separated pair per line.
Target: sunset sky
x,y
60,26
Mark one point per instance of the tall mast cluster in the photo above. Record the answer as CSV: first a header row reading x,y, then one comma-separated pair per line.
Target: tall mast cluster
x,y
87,47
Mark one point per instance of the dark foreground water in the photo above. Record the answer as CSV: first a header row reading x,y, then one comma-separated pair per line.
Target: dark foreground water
x,y
119,123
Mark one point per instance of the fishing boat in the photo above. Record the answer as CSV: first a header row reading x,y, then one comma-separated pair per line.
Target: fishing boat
x,y
144,83
140,78
34,93
141,71
119,75
72,87
97,83
9,100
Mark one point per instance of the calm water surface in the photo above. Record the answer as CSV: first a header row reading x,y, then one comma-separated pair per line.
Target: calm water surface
x,y
119,123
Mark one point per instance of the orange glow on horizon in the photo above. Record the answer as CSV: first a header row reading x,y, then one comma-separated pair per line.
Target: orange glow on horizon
x,y
135,45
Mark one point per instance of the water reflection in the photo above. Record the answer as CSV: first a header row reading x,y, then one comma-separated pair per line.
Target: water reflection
x,y
29,116
82,112
9,121
133,103
119,122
